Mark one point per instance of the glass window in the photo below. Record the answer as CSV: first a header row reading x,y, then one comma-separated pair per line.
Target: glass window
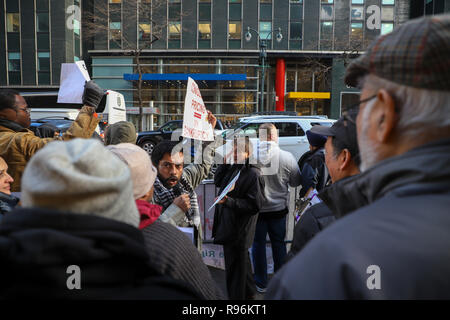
x,y
204,44
296,1
326,30
326,13
265,11
204,30
174,30
12,5
115,1
296,31
12,22
326,1
357,13
145,31
14,61
289,129
115,35
13,41
76,27
43,61
356,34
357,1
386,28
235,11
204,11
174,44
44,77
43,41
41,5
234,30
174,11
42,22
296,12
387,13
388,2
234,44
265,29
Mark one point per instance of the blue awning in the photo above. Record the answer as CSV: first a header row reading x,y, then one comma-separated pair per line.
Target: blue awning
x,y
184,76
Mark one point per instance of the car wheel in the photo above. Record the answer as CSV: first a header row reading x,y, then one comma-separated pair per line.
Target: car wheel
x,y
148,146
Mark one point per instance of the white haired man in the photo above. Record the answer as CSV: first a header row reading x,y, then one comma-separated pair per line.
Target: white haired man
x,y
396,246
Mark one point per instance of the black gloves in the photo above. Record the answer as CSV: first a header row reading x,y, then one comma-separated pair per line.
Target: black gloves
x,y
92,95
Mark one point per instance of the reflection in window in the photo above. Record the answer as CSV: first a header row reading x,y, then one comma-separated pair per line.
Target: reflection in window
x,y
386,28
43,61
12,22
357,13
265,11
115,37
326,1
14,61
204,30
234,11
265,29
144,31
42,22
326,35
326,13
43,41
234,30
296,31
388,2
356,34
204,11
296,12
174,30
174,11
357,1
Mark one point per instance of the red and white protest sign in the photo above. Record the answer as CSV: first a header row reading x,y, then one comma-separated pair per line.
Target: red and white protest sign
x,y
195,119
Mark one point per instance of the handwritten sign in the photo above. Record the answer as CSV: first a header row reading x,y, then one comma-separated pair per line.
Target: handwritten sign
x,y
195,119
72,80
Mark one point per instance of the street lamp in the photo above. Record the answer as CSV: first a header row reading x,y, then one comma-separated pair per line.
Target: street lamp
x,y
262,53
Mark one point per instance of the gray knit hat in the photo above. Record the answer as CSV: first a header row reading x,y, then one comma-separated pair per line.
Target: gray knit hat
x,y
80,176
120,132
143,173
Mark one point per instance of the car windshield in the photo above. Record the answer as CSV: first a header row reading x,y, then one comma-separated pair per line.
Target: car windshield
x,y
325,124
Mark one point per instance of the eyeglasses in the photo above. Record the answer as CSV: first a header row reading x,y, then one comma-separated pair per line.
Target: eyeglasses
x,y
352,111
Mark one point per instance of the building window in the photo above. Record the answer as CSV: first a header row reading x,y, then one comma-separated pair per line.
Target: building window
x,y
265,30
326,1
43,41
386,27
357,1
265,10
296,12
115,25
42,22
204,35
174,11
44,68
14,61
326,35
295,34
388,2
356,35
387,13
234,12
234,35
12,22
41,5
357,13
174,30
144,32
204,11
115,1
326,12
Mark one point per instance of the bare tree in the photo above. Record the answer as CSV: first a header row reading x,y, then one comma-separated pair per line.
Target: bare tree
x,y
149,30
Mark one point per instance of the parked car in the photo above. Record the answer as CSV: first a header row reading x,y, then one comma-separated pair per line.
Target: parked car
x,y
147,140
292,136
62,124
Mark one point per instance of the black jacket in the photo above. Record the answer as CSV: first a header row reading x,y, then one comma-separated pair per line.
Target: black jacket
x,y
403,230
7,203
37,247
235,221
313,220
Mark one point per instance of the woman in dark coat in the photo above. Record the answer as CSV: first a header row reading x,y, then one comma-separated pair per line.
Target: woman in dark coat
x,y
235,218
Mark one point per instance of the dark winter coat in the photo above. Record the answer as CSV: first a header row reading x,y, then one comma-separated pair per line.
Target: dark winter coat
x,y
7,203
395,247
312,221
314,171
37,247
235,220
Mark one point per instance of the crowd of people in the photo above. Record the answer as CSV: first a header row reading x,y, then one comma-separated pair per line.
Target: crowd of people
x,y
380,229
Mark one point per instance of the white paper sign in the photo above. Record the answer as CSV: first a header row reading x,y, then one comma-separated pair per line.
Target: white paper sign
x,y
195,119
227,189
188,231
73,78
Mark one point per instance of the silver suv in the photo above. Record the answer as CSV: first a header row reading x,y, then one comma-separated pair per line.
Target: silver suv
x,y
291,129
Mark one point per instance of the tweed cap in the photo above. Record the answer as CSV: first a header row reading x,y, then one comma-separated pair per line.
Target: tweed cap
x,y
416,54
80,176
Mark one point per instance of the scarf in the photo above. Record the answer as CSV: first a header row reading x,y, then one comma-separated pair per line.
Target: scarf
x,y
164,197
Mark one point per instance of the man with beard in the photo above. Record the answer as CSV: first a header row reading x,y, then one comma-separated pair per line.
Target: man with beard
x,y
396,246
175,185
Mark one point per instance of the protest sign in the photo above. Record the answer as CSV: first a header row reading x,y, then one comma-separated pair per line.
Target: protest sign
x,y
72,80
227,189
195,118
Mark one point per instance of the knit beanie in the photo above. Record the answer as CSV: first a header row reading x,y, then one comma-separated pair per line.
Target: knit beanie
x,y
316,140
80,176
120,132
143,173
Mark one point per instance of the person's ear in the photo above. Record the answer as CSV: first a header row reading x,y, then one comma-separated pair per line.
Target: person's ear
x,y
386,115
344,159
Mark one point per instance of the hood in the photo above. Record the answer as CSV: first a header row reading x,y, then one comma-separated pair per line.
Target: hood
x,y
424,169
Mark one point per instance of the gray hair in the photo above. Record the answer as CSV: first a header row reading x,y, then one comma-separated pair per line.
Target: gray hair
x,y
419,109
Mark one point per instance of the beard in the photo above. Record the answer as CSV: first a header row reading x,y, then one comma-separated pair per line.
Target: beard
x,y
165,182
367,150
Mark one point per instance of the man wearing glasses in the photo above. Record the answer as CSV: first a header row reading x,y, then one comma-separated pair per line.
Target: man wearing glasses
x,y
18,144
396,246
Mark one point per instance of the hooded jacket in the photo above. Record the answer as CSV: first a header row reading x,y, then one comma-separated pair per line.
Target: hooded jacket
x,y
396,246
41,249
18,144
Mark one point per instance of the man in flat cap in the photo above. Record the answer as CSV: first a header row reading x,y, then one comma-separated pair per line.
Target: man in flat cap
x,y
396,246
